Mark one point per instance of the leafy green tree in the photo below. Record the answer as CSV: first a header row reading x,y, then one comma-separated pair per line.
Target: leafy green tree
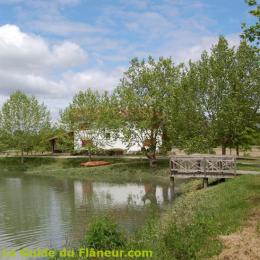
x,y
226,86
245,96
89,116
218,99
22,122
82,113
252,32
143,98
188,125
3,146
62,140
241,99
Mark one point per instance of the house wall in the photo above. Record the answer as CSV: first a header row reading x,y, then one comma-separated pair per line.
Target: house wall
x,y
109,143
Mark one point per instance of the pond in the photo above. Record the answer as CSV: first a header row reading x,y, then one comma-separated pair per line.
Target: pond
x,y
38,212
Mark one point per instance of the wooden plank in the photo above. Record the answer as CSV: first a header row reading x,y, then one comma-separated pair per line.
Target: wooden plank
x,y
215,176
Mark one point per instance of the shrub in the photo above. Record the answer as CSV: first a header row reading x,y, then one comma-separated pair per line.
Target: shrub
x,y
114,151
104,234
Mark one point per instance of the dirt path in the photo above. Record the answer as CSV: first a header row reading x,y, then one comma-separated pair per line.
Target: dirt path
x,y
244,172
244,244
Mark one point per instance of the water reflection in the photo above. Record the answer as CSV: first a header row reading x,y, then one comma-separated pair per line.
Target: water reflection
x,y
46,212
101,195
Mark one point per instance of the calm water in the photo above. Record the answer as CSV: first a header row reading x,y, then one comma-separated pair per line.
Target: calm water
x,y
46,212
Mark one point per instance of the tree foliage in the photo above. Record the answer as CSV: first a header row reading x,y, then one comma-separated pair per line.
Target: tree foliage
x,y
188,126
90,117
23,122
213,101
143,98
252,32
224,87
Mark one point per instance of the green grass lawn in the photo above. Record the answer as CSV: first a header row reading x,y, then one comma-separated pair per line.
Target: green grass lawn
x,y
245,167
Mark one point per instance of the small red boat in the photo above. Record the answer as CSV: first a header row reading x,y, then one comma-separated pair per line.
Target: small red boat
x,y
94,163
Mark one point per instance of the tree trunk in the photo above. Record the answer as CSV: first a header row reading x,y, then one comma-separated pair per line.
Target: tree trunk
x,y
22,157
89,155
223,149
150,152
152,160
166,144
237,150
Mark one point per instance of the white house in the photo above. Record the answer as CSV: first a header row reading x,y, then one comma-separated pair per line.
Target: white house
x,y
109,140
104,141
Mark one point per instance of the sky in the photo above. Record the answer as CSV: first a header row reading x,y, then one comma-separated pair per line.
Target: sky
x,y
54,48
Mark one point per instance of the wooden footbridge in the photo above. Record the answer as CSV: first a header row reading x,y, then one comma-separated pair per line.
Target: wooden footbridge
x,y
206,166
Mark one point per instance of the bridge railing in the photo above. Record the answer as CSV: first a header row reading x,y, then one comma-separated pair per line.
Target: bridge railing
x,y
203,166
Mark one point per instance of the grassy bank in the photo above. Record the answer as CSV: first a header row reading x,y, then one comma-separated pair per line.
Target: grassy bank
x,y
191,229
120,170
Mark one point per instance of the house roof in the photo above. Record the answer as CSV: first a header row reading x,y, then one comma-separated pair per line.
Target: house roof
x,y
59,136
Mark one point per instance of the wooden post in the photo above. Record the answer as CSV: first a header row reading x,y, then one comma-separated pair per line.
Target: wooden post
x,y
172,181
235,167
205,182
171,188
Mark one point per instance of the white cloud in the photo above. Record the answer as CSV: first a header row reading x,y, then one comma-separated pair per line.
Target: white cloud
x,y
27,62
95,79
67,54
57,94
29,83
31,64
29,53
